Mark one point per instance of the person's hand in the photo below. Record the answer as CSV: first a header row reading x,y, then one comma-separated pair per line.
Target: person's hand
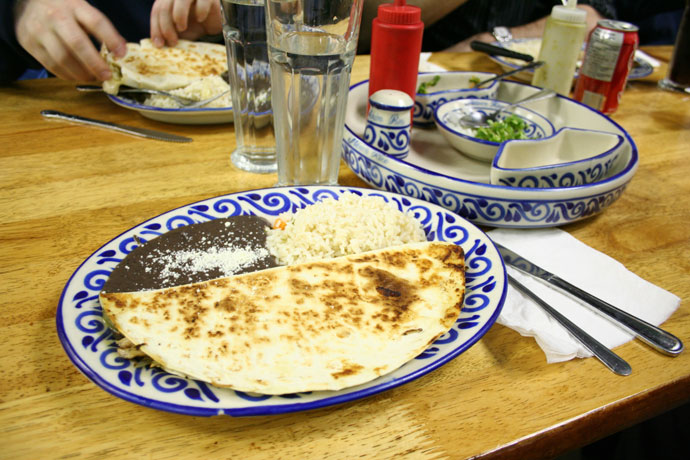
x,y
188,19
57,35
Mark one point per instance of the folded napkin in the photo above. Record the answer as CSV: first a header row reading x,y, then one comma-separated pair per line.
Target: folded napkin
x,y
590,270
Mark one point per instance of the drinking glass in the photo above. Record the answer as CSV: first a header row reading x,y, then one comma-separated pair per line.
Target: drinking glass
x,y
311,47
678,77
244,31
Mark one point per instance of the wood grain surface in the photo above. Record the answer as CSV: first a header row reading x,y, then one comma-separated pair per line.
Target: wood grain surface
x,y
67,189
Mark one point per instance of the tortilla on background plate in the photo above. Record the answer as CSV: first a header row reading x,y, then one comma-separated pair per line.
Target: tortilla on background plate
x,y
323,325
167,68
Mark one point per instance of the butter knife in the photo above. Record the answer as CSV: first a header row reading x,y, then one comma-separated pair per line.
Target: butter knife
x,y
648,333
141,132
606,356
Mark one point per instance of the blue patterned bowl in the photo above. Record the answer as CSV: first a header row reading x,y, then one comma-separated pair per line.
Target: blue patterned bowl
x,y
447,117
433,170
450,86
569,158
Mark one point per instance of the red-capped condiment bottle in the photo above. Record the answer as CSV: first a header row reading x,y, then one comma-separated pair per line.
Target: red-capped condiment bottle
x,y
396,43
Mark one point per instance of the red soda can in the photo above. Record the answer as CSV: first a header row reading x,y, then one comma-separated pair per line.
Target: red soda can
x,y
608,59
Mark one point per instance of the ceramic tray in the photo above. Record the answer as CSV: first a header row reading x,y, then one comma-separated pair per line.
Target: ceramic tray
x,y
436,172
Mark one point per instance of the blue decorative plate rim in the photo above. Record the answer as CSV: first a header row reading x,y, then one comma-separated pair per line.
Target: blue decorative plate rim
x,y
486,284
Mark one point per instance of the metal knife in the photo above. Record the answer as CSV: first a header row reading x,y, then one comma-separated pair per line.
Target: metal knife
x,y
648,333
499,51
606,356
141,132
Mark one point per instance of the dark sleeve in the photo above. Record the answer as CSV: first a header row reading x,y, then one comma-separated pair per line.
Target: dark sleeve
x,y
13,59
606,8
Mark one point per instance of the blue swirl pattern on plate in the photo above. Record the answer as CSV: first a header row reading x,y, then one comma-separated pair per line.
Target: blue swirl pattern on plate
x,y
90,345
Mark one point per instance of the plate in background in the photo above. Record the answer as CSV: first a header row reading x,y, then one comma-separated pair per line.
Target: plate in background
x,y
201,116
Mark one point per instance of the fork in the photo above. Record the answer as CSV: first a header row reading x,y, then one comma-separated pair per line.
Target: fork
x,y
184,102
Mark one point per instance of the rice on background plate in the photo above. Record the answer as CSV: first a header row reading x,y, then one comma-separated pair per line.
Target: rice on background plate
x,y
333,228
198,90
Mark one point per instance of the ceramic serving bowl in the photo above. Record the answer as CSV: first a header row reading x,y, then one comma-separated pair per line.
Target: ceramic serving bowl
x,y
450,86
447,118
569,158
435,172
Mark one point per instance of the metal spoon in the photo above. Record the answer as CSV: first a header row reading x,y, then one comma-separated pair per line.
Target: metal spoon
x,y
479,119
184,102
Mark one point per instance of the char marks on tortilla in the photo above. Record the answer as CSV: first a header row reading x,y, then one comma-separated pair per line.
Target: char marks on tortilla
x,y
166,68
320,325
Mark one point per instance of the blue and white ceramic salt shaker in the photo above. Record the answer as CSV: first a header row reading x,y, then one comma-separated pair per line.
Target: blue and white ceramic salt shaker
x,y
388,122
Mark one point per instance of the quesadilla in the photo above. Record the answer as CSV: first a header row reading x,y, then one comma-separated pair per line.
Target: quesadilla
x,y
322,325
167,68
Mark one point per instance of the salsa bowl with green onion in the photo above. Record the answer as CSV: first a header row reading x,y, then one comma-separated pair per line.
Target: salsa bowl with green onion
x,y
435,88
483,143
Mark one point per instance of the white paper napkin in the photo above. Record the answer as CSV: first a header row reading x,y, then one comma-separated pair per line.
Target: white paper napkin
x,y
426,66
590,270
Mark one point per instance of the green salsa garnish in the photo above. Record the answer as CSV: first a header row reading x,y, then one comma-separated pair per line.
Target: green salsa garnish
x,y
423,86
512,127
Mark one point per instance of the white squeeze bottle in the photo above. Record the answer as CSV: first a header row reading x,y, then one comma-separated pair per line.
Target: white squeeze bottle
x,y
561,44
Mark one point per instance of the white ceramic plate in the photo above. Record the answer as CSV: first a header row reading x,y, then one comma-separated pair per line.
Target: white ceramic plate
x,y
90,346
434,171
208,116
641,68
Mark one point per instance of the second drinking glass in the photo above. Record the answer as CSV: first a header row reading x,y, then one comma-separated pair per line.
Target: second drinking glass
x,y
244,31
312,46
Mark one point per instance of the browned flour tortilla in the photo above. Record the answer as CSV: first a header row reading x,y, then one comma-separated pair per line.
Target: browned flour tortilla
x,y
322,325
167,68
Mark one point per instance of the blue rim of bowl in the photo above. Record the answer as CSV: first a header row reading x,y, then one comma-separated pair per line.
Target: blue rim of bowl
x,y
103,383
631,163
556,165
458,90
476,139
129,103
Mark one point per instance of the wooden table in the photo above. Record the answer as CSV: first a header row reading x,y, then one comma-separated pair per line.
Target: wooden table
x,y
66,189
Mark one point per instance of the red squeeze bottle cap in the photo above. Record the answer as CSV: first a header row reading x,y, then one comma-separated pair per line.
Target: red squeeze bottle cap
x,y
399,13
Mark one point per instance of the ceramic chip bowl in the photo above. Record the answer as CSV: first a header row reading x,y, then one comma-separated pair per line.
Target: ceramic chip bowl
x,y
447,117
569,158
450,86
